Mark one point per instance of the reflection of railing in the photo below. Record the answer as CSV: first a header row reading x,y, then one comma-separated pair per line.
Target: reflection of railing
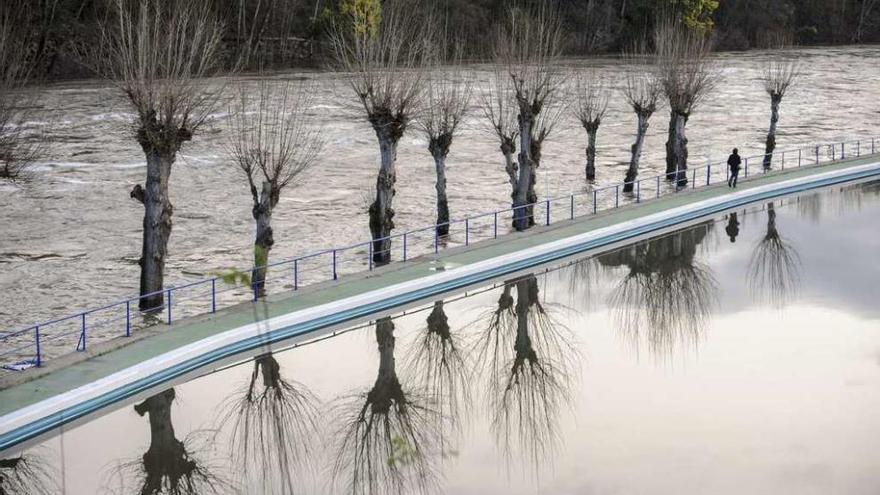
x,y
25,348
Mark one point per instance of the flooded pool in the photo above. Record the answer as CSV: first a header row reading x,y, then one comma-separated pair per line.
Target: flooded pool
x,y
740,355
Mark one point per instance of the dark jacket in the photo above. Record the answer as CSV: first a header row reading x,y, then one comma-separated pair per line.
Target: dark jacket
x,y
734,162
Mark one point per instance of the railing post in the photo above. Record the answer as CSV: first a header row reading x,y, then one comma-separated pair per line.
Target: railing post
x,y
858,148
83,332
658,186
213,295
436,241
817,155
595,206
694,180
128,318
746,167
799,158
617,196
639,191
334,265
37,339
872,146
571,206
370,253
495,226
843,151
169,305
548,213
467,230
404,251
296,271
783,161
708,173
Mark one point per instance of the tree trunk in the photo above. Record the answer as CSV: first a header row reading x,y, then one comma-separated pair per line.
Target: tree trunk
x,y
511,167
439,148
523,184
381,212
679,148
264,240
590,171
771,134
633,171
670,152
157,228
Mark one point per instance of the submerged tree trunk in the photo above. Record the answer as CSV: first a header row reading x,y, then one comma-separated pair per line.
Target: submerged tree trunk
x,y
524,181
381,211
157,227
771,134
592,129
508,148
264,240
677,151
633,171
439,149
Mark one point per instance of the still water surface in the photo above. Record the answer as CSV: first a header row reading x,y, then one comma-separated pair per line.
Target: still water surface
x,y
741,355
71,240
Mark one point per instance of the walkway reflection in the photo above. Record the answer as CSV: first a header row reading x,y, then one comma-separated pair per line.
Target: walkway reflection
x,y
388,435
530,360
774,268
667,297
272,423
170,466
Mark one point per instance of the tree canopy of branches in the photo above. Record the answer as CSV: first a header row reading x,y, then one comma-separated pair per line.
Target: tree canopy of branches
x,y
384,68
642,91
686,76
272,141
780,74
590,106
499,108
528,46
159,54
774,268
19,149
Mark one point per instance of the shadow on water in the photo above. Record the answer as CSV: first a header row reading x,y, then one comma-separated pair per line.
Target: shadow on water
x,y
774,268
529,360
388,436
27,474
169,466
667,297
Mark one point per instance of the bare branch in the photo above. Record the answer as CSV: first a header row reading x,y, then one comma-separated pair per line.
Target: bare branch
x,y
642,87
780,74
498,103
590,99
686,73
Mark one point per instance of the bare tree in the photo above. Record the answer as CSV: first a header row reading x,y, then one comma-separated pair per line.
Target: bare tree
x,y
446,100
159,54
780,73
499,107
774,268
528,47
273,142
384,69
687,76
19,148
642,91
590,105
27,474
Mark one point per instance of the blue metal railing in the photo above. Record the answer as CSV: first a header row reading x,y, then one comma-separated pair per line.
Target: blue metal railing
x,y
26,347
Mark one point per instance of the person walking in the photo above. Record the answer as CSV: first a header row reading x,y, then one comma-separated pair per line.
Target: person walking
x,y
733,162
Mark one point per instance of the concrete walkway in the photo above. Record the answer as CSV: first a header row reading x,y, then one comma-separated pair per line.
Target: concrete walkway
x,y
123,356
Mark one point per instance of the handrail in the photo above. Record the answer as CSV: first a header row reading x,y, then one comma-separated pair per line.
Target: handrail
x,y
679,180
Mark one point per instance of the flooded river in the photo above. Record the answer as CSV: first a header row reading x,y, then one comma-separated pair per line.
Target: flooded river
x,y
71,239
740,355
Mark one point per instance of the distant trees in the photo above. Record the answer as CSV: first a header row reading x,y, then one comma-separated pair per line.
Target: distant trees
x,y
590,105
780,73
528,47
159,53
272,142
18,149
382,56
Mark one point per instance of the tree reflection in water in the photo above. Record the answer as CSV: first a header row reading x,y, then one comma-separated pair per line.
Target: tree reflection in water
x,y
530,361
388,433
437,361
272,423
170,466
774,268
667,297
26,474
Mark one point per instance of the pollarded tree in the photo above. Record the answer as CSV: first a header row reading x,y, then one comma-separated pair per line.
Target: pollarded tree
x,y
380,49
499,107
590,105
446,100
159,53
18,149
778,77
529,46
686,76
642,91
273,143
